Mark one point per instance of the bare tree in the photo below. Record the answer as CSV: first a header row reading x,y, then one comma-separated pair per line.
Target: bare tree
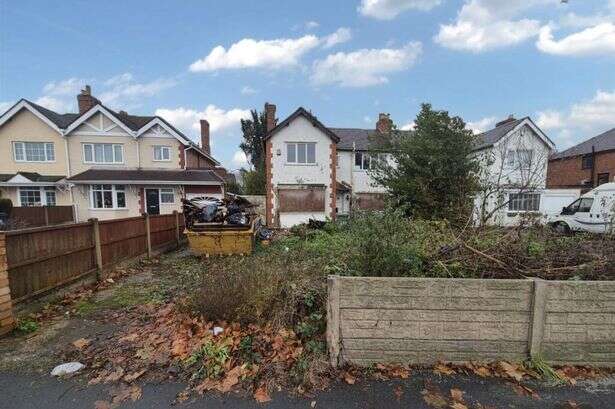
x,y
514,166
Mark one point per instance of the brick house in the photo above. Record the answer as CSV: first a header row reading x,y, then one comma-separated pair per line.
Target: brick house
x,y
105,164
317,172
584,166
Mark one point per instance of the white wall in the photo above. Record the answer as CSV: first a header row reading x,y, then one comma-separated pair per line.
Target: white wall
x,y
301,130
360,180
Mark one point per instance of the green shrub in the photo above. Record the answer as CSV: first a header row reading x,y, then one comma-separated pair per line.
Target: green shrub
x,y
26,325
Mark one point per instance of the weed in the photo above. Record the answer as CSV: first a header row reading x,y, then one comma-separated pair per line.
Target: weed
x,y
26,325
538,364
210,359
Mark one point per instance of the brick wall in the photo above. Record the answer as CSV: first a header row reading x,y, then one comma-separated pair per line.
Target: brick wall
x,y
567,172
6,309
422,321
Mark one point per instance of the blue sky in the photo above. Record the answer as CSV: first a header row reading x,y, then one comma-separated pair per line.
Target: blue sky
x,y
346,61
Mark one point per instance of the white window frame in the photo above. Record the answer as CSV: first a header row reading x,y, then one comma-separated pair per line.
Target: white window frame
x,y
512,158
366,159
46,146
113,146
517,205
162,148
114,193
295,146
42,191
166,191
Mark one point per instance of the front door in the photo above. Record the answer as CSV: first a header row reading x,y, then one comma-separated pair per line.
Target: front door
x,y
152,200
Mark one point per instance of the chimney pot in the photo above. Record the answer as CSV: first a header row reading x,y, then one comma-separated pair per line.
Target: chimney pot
x,y
85,100
384,124
270,116
205,145
510,118
123,113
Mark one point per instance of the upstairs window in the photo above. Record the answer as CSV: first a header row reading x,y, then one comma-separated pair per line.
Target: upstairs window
x,y
521,158
103,153
162,153
366,161
587,161
34,152
301,152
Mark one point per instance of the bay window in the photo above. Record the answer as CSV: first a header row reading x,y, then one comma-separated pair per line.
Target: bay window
x,y
37,196
34,152
103,153
107,197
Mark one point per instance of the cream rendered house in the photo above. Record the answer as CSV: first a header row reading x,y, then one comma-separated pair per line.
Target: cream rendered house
x,y
106,164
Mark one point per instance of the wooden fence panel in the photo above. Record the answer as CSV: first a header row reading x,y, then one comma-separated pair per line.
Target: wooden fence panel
x,y
35,216
162,229
122,239
40,259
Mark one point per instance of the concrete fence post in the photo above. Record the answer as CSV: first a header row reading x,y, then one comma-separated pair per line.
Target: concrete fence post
x,y
176,214
333,319
46,213
97,248
539,303
148,234
7,321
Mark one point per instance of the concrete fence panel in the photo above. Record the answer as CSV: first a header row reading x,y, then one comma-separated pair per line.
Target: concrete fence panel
x,y
422,320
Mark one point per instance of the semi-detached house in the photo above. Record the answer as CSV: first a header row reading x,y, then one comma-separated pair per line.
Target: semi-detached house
x,y
106,164
318,172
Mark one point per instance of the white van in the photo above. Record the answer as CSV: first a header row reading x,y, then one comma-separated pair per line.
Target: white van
x,y
593,212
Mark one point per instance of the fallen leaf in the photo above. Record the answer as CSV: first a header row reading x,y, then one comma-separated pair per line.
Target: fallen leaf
x,y
261,395
116,375
457,395
124,392
81,343
522,390
458,405
482,371
511,370
350,380
313,404
231,379
443,369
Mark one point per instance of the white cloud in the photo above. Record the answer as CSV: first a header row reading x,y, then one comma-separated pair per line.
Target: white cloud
x,y
67,87
408,127
481,125
365,67
4,106
389,9
342,35
250,53
483,25
597,40
123,89
187,119
310,25
581,121
55,104
247,90
240,160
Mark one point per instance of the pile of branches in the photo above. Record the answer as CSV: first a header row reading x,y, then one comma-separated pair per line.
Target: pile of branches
x,y
533,252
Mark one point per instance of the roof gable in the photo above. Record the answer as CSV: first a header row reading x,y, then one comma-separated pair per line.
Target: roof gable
x,y
493,136
98,108
34,109
311,118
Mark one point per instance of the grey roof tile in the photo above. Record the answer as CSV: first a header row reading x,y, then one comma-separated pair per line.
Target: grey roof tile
x,y
603,142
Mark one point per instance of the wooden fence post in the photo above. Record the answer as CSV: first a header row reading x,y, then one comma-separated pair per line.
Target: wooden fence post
x,y
46,212
148,233
7,321
176,213
97,248
539,303
333,319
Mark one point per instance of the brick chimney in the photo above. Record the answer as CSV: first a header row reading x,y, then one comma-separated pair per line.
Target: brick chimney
x,y
270,116
85,100
384,124
205,137
510,118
